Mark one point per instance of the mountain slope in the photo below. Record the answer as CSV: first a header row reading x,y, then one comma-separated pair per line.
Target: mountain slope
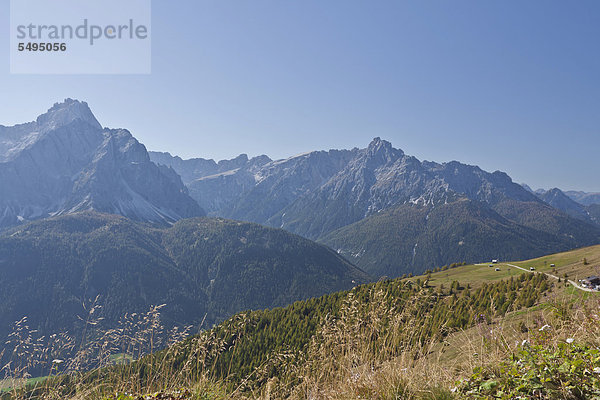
x,y
559,200
234,188
246,265
584,198
545,218
412,238
196,168
318,193
287,352
396,338
594,210
201,268
65,162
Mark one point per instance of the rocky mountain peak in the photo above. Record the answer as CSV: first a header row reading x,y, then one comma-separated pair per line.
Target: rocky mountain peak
x,y
64,113
555,192
527,187
234,163
64,162
559,200
382,152
378,144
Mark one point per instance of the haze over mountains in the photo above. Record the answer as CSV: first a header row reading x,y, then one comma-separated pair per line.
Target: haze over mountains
x,y
65,162
63,179
87,211
387,211
580,205
587,199
419,214
202,269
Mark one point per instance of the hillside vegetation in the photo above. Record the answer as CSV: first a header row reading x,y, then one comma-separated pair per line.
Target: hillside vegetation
x,y
413,238
387,211
412,338
203,269
493,334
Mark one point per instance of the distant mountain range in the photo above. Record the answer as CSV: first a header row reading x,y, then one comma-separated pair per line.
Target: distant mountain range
x,y
65,162
201,268
587,199
580,205
418,214
558,199
373,205
87,211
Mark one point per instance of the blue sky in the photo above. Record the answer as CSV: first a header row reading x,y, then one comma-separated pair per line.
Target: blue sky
x,y
506,85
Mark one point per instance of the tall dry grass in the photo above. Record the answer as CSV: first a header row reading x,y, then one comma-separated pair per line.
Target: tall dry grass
x,y
371,350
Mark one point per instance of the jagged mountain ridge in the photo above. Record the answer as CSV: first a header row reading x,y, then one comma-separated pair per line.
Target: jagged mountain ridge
x,y
559,200
381,177
344,186
584,198
351,186
66,162
235,187
581,205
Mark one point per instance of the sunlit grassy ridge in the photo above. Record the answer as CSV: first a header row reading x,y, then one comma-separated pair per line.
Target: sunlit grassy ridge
x,y
570,262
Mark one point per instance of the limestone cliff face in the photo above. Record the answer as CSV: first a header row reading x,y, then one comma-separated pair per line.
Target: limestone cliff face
x,y
314,193
66,162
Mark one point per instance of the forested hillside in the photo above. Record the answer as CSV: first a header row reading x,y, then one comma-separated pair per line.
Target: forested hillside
x,y
305,346
412,238
204,270
453,333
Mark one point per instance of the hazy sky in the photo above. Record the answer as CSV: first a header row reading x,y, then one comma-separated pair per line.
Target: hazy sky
x,y
508,85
